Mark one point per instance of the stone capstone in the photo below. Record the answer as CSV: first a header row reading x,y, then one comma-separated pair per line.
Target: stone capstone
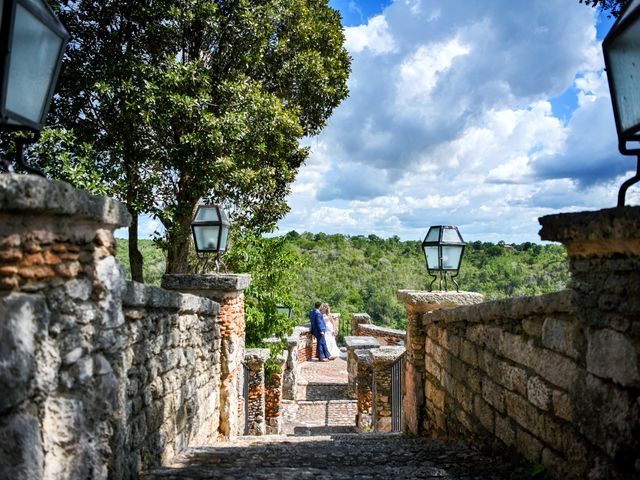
x,y
139,295
33,194
256,356
440,299
355,343
223,282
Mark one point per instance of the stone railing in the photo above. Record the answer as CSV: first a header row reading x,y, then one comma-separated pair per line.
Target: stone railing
x,y
254,359
273,396
385,336
553,378
100,378
355,344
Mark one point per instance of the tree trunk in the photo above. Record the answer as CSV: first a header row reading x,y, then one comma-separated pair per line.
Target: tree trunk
x,y
136,260
178,240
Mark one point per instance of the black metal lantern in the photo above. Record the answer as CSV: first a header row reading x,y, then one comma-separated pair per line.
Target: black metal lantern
x,y
621,48
443,248
210,228
32,44
286,311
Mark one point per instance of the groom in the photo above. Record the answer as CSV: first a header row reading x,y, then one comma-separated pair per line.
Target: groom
x,y
318,328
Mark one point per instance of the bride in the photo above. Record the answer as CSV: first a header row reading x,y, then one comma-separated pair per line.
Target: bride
x,y
331,333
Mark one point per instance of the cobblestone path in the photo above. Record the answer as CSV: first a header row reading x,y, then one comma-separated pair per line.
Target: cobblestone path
x,y
319,443
322,404
338,456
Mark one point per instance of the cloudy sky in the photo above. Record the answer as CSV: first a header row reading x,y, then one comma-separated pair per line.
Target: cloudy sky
x,y
481,114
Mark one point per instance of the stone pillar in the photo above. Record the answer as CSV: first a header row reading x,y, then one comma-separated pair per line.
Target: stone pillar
x,y
228,290
291,369
382,360
273,397
604,259
353,344
254,359
357,319
62,367
418,304
363,389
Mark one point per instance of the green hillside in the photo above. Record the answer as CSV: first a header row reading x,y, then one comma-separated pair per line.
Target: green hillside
x,y
362,274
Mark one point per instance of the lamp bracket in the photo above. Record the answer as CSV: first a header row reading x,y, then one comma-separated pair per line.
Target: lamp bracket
x,y
625,186
18,158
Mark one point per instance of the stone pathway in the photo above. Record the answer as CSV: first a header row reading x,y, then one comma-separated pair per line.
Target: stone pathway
x,y
320,443
322,404
339,456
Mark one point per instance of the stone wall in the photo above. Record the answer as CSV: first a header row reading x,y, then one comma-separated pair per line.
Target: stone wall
x,y
553,378
385,336
306,345
171,345
98,378
254,359
273,397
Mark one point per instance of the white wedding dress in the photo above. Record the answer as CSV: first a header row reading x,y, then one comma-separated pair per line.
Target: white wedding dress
x,y
330,338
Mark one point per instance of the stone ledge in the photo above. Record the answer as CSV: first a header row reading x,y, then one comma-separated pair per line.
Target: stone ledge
x,y
256,356
439,299
382,330
355,342
386,355
37,195
222,282
506,309
595,233
363,357
140,295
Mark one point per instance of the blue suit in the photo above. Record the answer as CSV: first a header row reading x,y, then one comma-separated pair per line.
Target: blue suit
x,y
318,328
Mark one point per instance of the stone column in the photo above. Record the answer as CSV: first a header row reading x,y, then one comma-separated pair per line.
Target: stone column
x,y
254,359
418,304
604,259
382,360
291,369
62,331
228,290
357,319
353,344
273,397
363,389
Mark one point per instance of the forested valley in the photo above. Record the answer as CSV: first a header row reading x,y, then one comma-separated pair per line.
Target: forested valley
x,y
362,273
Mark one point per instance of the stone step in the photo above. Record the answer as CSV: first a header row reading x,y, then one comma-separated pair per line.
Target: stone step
x,y
322,391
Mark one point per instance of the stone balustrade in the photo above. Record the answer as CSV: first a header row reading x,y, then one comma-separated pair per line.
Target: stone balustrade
x,y
354,344
359,319
382,359
363,384
254,359
385,336
273,396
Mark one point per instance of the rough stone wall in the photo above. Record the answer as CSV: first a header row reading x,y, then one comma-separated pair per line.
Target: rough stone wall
x,y
364,376
273,398
554,378
307,348
254,359
60,330
172,372
385,336
382,360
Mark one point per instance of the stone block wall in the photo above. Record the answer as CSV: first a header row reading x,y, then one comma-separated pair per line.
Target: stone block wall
x,y
385,336
553,378
98,378
172,370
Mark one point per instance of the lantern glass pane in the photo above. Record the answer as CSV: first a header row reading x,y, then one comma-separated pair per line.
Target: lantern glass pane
x,y
207,214
624,69
433,235
451,256
284,310
223,239
451,235
206,238
431,254
34,57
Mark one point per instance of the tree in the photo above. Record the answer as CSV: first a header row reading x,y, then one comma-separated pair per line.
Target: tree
x,y
189,99
612,6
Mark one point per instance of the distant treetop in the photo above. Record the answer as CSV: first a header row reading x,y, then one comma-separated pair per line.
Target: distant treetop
x,y
614,7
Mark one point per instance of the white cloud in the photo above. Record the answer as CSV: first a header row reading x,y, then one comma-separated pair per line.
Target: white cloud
x,y
374,36
450,120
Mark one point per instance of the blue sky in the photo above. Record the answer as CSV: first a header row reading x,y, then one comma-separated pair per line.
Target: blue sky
x,y
485,115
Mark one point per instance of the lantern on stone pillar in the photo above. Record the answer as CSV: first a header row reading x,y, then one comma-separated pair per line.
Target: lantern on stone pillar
x,y
443,248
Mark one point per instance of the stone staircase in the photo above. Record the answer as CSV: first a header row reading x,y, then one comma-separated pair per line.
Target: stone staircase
x,y
322,404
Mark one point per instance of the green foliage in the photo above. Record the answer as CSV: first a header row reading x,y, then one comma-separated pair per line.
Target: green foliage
x,y
612,6
190,99
154,260
272,263
363,274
